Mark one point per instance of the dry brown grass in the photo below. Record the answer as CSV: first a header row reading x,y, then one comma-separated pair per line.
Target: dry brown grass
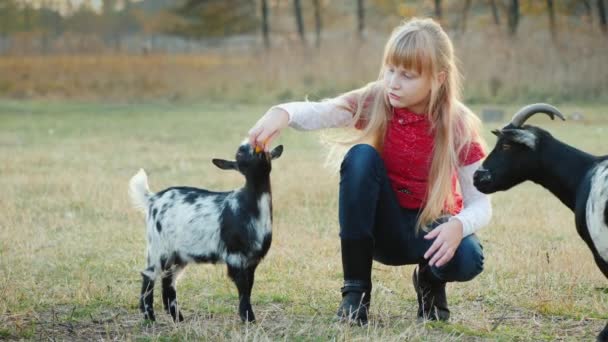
x,y
531,67
71,246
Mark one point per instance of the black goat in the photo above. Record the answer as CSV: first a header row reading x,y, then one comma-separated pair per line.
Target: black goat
x,y
578,179
189,225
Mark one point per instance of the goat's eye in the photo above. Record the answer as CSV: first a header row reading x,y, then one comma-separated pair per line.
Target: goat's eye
x,y
506,147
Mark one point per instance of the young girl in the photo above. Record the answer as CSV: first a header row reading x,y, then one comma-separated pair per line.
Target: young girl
x,y
398,200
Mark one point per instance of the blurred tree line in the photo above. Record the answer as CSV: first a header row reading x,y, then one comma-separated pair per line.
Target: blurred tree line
x,y
194,19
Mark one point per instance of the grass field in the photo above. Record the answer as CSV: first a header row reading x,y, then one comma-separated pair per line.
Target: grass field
x,y
71,246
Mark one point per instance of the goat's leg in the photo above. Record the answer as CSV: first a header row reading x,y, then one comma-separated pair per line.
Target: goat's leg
x,y
240,277
170,293
251,277
166,282
146,300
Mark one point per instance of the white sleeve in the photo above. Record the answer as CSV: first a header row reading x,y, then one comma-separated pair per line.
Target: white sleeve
x,y
308,116
477,210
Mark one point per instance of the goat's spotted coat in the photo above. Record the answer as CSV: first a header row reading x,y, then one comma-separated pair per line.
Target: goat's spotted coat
x,y
190,225
175,211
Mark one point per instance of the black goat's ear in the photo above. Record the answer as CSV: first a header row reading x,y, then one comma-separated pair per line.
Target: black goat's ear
x,y
496,132
276,152
224,164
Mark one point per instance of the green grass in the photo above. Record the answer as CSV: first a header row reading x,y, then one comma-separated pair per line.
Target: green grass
x,y
71,246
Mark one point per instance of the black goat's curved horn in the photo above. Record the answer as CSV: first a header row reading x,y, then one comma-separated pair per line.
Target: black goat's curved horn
x,y
526,112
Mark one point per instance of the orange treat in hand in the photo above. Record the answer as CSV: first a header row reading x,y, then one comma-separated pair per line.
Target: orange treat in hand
x,y
259,148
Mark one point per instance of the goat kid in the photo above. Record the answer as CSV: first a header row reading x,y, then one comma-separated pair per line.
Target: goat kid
x,y
190,225
576,178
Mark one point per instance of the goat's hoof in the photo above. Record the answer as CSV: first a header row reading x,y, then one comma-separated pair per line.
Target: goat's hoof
x,y
177,318
248,317
149,317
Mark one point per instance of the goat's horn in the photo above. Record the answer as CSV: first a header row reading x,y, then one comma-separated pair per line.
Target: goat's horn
x,y
526,112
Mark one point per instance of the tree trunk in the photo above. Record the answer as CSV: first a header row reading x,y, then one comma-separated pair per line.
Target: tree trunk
x,y
6,19
551,12
4,23
27,18
601,9
513,17
57,22
360,18
588,10
265,31
495,12
465,14
297,6
438,9
318,23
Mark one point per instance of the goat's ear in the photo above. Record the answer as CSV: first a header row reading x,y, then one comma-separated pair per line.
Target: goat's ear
x,y
276,152
496,132
224,164
521,136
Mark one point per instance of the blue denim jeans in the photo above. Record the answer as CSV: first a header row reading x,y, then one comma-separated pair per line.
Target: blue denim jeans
x,y
368,208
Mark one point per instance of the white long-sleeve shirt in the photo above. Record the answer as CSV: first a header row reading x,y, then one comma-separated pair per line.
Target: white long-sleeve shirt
x,y
477,209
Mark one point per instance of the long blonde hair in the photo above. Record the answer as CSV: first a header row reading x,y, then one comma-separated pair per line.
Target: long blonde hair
x,y
422,45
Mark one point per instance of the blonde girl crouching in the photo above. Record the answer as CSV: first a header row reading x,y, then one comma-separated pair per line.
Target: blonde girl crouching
x,y
398,198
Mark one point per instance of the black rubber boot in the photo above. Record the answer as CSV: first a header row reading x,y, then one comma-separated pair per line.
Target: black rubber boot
x,y
432,299
356,292
354,307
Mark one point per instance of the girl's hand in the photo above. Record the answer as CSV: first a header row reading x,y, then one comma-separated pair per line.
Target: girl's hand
x,y
268,128
447,238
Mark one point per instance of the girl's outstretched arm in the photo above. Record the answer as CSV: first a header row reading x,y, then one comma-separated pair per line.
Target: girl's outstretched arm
x,y
309,116
303,115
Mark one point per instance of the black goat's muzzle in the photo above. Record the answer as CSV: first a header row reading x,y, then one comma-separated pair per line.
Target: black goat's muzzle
x,y
481,179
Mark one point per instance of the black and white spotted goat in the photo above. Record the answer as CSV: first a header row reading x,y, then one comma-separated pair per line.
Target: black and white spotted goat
x,y
190,225
578,179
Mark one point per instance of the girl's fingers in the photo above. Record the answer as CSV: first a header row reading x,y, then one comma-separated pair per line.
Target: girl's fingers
x,y
262,137
432,234
449,254
434,247
268,142
439,254
253,134
254,129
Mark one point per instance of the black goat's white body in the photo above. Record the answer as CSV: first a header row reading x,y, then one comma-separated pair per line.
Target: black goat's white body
x,y
590,213
595,210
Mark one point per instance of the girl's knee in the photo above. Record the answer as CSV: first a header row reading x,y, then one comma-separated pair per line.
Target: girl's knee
x,y
471,258
466,264
360,158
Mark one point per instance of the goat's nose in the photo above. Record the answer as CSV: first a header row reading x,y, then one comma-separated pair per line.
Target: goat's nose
x,y
482,176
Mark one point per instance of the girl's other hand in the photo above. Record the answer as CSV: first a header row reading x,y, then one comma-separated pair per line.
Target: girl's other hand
x,y
268,128
447,239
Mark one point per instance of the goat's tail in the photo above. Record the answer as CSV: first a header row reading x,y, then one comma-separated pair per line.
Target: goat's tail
x,y
139,191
